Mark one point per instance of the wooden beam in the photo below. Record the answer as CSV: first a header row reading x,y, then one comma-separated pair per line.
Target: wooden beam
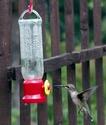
x,y
84,28
55,50
24,110
42,118
58,61
97,14
5,60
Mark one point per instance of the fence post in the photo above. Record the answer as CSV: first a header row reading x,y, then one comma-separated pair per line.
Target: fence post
x,y
84,28
25,113
71,78
98,63
5,85
55,40
42,108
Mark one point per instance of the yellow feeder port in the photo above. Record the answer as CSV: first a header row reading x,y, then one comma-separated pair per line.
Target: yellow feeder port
x,y
47,87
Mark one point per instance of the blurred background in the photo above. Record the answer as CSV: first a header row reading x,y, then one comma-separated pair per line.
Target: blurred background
x,y
77,42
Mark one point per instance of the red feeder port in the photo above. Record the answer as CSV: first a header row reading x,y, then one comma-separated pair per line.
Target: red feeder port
x,y
33,91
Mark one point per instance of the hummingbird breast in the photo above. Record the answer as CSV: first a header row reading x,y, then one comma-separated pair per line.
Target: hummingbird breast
x,y
74,97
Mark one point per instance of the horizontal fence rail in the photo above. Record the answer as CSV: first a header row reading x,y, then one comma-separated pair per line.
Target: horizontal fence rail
x,y
84,55
55,62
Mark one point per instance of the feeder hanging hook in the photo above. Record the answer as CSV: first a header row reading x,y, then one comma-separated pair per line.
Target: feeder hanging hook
x,y
30,6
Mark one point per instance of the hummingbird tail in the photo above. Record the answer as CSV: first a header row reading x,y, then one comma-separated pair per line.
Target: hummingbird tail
x,y
89,116
87,112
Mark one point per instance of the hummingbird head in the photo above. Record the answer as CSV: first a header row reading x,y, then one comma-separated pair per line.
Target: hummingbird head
x,y
70,87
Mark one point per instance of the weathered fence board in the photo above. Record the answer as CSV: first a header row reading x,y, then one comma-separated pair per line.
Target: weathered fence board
x,y
22,6
42,108
84,45
24,109
5,58
69,21
98,63
25,114
68,58
55,62
56,75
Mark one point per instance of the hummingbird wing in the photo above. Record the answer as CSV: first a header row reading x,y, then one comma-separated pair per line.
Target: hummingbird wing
x,y
84,95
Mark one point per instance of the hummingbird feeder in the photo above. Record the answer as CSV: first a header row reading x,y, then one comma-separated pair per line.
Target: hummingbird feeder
x,y
32,66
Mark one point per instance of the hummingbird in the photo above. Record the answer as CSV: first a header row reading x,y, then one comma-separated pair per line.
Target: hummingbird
x,y
80,98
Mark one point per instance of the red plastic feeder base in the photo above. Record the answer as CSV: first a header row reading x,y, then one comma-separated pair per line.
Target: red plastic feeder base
x,y
33,91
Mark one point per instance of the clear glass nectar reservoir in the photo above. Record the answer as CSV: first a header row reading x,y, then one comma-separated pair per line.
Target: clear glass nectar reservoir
x,y
31,46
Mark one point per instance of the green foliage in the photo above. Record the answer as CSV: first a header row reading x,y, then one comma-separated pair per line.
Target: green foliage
x,y
77,20
15,116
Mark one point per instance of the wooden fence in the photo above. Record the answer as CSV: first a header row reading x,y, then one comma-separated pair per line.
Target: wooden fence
x,y
53,64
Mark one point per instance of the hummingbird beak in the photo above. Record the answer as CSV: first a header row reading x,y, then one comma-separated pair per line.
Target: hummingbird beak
x,y
65,86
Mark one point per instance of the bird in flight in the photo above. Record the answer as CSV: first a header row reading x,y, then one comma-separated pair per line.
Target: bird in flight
x,y
80,98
